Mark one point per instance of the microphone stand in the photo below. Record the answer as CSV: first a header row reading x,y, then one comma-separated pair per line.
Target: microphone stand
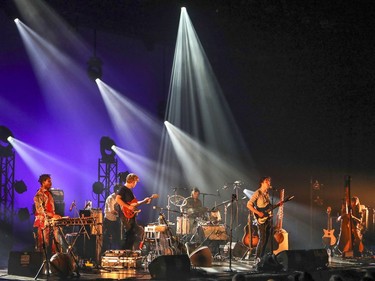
x,y
231,235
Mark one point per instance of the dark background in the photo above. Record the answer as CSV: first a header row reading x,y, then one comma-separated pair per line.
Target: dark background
x,y
298,77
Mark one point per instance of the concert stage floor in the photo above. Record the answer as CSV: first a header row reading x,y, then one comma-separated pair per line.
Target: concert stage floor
x,y
349,268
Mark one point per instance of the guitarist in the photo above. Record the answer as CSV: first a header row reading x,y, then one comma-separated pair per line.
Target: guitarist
x,y
126,200
258,201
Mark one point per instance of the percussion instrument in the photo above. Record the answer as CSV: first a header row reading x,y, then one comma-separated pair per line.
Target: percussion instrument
x,y
183,225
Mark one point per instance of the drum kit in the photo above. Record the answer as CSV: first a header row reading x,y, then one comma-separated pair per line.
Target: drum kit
x,y
191,224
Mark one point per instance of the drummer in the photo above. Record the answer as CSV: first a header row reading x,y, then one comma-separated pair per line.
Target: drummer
x,y
193,207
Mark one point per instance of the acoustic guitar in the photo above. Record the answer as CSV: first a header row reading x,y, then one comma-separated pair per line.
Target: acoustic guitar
x,y
250,238
131,213
280,234
329,238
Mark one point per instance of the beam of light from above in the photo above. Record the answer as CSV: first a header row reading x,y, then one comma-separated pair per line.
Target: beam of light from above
x,y
142,166
197,106
61,80
37,160
207,166
44,20
132,123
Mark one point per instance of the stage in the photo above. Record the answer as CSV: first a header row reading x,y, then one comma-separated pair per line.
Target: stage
x,y
220,269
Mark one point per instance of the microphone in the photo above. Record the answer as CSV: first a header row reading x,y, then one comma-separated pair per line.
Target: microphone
x,y
72,205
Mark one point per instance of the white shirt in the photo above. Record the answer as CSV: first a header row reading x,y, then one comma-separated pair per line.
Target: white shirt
x,y
110,207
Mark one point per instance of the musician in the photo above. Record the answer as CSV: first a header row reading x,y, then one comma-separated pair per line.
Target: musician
x,y
126,199
193,208
259,200
111,222
44,213
193,202
346,241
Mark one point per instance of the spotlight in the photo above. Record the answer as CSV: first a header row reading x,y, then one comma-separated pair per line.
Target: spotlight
x,y
6,149
23,214
20,186
97,187
94,68
108,155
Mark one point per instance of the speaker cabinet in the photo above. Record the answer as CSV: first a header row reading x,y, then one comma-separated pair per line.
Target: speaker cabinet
x,y
24,263
239,250
201,257
170,267
303,260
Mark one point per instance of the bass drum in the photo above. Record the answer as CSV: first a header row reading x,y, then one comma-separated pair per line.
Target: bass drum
x,y
62,264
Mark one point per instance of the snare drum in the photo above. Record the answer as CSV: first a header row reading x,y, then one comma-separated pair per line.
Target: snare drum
x,y
183,225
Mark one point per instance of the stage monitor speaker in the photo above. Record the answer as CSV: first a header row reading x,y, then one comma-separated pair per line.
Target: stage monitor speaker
x,y
269,263
303,260
239,250
201,257
170,267
24,263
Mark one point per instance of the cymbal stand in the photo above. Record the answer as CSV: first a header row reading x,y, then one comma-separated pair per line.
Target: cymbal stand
x,y
236,187
225,213
168,207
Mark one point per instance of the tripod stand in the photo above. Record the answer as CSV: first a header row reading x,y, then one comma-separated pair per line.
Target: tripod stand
x,y
46,261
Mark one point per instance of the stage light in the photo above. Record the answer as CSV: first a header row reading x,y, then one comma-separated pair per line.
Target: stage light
x,y
23,214
6,149
98,187
20,186
94,68
108,155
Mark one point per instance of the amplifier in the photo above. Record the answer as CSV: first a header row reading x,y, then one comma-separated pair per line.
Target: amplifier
x,y
24,263
214,232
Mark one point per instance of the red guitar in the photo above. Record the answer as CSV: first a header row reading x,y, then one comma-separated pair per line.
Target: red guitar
x,y
131,213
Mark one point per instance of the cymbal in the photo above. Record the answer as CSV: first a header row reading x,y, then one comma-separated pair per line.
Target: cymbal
x,y
196,211
177,200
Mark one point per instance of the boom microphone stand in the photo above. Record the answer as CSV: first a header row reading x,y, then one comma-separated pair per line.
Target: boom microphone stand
x,y
234,198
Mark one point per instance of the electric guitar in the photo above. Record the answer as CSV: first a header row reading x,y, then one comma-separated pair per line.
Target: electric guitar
x,y
329,238
267,210
131,213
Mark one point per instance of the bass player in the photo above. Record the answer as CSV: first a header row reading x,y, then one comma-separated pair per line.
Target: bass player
x,y
128,203
259,201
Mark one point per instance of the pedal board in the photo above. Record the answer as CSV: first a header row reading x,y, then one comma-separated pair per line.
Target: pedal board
x,y
121,259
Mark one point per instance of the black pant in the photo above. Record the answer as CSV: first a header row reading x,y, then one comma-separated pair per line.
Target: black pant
x,y
111,237
133,234
264,231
